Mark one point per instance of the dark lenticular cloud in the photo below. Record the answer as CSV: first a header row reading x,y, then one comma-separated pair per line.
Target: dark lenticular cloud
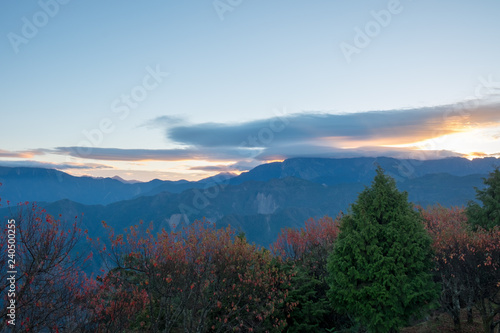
x,y
404,125
277,153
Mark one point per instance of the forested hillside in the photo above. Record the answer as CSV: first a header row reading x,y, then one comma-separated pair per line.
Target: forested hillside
x,y
384,265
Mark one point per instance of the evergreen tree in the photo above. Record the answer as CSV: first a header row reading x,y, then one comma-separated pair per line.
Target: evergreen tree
x,y
313,311
488,215
380,268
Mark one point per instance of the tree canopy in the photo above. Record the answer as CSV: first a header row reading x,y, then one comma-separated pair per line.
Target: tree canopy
x,y
380,268
488,215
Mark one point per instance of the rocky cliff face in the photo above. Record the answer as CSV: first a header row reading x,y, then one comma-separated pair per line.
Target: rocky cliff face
x,y
266,204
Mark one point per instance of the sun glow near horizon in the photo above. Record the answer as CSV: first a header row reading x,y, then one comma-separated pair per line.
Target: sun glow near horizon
x,y
478,142
467,142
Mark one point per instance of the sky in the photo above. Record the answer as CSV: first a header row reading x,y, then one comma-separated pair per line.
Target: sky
x,y
185,90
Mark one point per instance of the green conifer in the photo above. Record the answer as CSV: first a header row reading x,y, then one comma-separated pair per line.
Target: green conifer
x,y
380,268
488,215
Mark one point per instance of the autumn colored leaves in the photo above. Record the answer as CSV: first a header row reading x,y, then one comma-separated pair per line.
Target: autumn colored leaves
x,y
199,278
467,265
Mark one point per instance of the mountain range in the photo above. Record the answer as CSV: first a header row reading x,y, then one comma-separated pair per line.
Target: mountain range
x,y
259,202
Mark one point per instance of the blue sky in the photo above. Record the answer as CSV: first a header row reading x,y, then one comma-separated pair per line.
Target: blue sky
x,y
144,89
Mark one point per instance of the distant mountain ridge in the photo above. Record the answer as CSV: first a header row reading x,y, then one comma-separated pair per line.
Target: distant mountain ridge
x,y
259,202
125,181
260,209
362,169
36,184
21,184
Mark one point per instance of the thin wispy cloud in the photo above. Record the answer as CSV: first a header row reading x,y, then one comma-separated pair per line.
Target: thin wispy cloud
x,y
164,122
17,154
118,154
49,165
244,166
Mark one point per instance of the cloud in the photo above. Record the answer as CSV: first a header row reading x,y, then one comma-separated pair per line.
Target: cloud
x,y
483,155
118,154
164,122
18,154
218,168
248,158
243,166
310,134
48,165
386,127
277,153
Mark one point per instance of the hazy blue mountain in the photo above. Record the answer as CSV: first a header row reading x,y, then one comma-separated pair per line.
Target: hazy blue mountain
x,y
182,185
353,170
260,209
259,202
37,184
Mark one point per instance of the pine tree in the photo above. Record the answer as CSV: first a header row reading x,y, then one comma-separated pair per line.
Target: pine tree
x,y
380,268
488,215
